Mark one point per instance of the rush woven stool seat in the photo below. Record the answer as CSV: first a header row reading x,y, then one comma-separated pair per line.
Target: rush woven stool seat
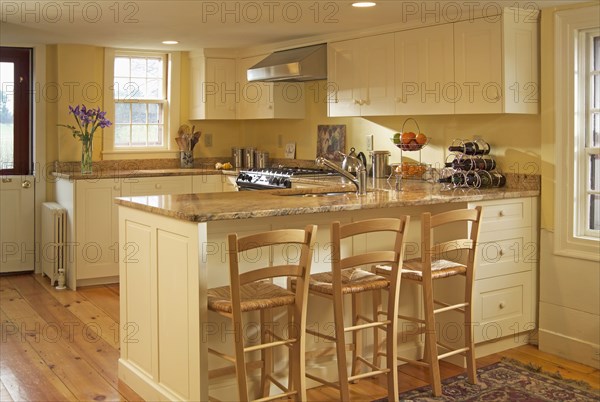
x,y
255,290
347,278
440,261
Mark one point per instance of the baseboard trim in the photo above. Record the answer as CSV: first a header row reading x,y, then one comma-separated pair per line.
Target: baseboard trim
x,y
570,348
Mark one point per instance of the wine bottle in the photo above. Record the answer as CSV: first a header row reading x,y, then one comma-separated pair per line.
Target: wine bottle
x,y
492,179
472,164
478,147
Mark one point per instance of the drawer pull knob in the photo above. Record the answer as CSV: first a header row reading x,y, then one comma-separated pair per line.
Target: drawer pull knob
x,y
157,186
501,252
502,305
500,213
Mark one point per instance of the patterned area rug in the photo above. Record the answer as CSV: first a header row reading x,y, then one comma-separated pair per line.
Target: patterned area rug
x,y
507,380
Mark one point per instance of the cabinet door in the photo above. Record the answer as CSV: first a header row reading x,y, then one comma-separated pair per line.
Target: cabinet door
x,y
96,227
377,86
343,78
425,71
157,185
207,183
220,88
255,98
478,66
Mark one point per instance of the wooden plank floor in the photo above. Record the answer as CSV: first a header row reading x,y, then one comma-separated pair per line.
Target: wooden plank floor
x,y
63,346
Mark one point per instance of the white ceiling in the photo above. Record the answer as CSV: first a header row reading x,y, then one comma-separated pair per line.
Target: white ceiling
x,y
215,24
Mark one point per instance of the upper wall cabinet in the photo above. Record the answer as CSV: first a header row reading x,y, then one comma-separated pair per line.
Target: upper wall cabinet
x,y
496,64
361,76
268,100
213,94
425,71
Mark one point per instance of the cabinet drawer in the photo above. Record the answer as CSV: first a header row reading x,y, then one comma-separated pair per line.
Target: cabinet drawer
x,y
505,252
505,214
502,306
207,183
157,186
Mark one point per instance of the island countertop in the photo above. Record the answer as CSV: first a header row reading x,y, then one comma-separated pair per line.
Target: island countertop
x,y
258,204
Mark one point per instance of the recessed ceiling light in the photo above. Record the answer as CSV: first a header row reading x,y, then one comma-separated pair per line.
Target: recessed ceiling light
x,y
170,42
364,4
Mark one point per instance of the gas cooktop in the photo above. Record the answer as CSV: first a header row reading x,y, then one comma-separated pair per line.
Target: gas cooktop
x,y
276,177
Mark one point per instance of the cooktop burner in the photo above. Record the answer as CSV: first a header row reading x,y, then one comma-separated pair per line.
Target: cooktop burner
x,y
275,177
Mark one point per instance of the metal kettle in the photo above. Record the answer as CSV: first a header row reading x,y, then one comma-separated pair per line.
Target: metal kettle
x,y
353,162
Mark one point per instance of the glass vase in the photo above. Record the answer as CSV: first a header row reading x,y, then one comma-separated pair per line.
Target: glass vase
x,y
86,156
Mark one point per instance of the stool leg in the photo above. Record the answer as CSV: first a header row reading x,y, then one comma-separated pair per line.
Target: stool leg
x,y
469,342
376,341
266,324
431,341
240,358
357,341
340,344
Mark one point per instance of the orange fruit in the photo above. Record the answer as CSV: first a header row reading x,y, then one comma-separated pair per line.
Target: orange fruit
x,y
421,138
407,137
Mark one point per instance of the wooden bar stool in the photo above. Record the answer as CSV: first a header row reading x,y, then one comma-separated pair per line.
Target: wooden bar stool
x,y
439,261
347,277
255,291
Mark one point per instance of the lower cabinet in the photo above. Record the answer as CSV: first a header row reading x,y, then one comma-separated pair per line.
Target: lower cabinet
x,y
505,294
92,231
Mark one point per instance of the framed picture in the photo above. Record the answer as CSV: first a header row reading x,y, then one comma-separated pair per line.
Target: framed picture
x,y
330,139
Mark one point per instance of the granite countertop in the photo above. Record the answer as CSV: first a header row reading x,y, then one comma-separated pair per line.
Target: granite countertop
x,y
129,173
256,204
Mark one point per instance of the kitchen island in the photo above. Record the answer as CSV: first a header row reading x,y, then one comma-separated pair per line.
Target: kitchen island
x,y
173,247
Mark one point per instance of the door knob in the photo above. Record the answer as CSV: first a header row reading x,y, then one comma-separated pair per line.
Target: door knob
x,y
26,184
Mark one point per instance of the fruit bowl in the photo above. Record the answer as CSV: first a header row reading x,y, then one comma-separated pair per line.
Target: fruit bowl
x,y
408,140
412,145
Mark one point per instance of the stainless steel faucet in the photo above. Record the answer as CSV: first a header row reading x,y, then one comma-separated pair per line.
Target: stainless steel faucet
x,y
360,181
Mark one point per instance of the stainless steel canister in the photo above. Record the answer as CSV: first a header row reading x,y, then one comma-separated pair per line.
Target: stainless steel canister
x,y
380,166
237,157
249,157
261,159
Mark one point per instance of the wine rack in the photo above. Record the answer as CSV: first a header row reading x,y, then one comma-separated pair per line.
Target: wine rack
x,y
470,165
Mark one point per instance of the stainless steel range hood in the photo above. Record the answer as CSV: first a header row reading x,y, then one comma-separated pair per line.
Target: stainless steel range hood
x,y
294,65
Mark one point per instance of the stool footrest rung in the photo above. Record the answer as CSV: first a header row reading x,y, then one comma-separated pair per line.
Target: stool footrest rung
x,y
322,381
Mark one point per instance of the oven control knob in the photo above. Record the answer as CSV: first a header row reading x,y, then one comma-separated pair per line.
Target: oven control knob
x,y
275,181
287,183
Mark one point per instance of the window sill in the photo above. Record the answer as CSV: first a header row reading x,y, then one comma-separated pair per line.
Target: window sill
x,y
140,154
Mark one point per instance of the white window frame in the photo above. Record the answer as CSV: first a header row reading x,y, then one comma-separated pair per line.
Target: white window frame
x,y
584,123
569,240
171,113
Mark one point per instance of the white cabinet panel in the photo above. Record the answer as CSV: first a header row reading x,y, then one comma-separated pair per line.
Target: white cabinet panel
x,y
207,183
502,306
157,186
17,238
425,71
213,88
361,76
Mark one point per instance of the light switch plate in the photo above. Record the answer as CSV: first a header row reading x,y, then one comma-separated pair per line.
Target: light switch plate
x,y
208,140
370,142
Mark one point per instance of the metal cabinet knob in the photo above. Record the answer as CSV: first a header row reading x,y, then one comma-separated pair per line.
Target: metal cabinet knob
x,y
26,184
501,305
6,180
157,186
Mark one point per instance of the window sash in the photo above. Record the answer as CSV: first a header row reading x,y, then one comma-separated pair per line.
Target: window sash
x,y
162,100
584,141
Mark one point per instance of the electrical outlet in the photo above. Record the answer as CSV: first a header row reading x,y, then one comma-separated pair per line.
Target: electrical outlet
x,y
208,140
596,354
370,142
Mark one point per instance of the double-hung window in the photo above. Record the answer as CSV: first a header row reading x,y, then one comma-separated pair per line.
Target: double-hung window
x,y
140,94
577,133
587,143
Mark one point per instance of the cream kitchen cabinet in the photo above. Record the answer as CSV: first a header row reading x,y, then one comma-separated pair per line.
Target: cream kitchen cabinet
x,y
268,100
496,63
361,76
156,185
207,183
214,90
92,230
424,67
505,283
